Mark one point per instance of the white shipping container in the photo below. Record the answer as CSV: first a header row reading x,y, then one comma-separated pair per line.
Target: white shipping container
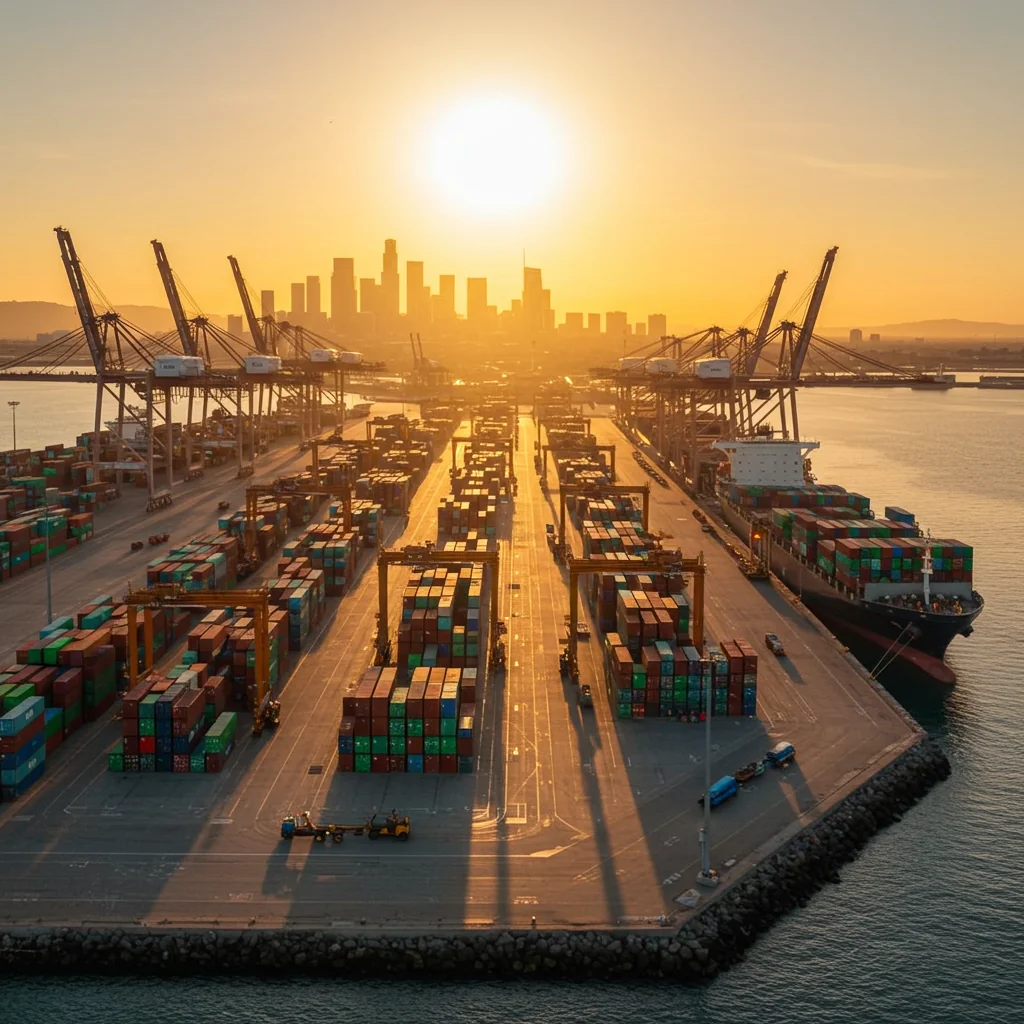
x,y
194,366
662,364
352,358
169,366
323,355
712,369
262,364
631,363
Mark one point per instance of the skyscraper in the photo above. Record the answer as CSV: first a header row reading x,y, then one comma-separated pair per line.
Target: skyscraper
x,y
313,298
476,300
368,289
298,302
573,323
856,336
234,325
389,283
343,292
533,300
446,296
657,325
414,293
593,323
640,330
266,303
616,325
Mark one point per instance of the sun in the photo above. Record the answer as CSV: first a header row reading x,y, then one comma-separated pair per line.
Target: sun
x,y
494,156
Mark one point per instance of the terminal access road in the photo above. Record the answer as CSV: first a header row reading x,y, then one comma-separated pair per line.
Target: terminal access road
x,y
572,817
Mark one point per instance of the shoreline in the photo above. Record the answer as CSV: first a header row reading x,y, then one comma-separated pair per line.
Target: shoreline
x,y
709,941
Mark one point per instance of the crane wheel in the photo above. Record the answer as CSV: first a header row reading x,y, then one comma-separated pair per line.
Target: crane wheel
x,y
337,837
374,834
320,837
403,836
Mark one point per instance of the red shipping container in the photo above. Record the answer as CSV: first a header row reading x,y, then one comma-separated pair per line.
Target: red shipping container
x,y
12,744
130,727
414,745
431,763
53,742
147,744
346,762
449,764
464,747
379,726
396,762
431,727
131,745
215,762
379,762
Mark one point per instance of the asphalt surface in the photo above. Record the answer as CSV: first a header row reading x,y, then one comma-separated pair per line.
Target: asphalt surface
x,y
572,817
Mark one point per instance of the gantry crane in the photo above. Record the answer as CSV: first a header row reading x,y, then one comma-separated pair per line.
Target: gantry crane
x,y
426,555
601,491
658,562
589,450
262,708
278,489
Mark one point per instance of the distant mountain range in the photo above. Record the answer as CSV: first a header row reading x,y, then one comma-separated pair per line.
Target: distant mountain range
x,y
22,321
937,330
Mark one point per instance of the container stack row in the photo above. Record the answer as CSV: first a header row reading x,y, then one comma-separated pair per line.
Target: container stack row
x,y
175,724
330,549
208,562
641,607
24,537
669,680
440,624
300,590
811,496
423,727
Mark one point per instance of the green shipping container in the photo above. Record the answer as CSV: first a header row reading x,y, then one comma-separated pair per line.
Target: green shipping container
x,y
115,757
363,762
378,744
362,744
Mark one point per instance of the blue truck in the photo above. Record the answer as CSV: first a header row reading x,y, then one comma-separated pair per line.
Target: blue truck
x,y
782,753
721,791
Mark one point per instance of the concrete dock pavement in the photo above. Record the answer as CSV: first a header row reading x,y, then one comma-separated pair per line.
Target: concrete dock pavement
x,y
572,816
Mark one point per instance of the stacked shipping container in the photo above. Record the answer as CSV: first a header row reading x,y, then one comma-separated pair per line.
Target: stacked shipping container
x,y
425,727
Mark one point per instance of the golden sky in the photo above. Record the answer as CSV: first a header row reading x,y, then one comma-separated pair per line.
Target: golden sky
x,y
680,153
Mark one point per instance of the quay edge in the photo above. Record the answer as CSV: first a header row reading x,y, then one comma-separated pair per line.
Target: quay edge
x,y
713,938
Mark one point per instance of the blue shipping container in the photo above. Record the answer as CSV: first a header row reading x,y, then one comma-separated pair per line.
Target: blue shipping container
x,y
22,787
17,775
17,718
9,762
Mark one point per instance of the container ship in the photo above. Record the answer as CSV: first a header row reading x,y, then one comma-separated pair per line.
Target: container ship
x,y
874,580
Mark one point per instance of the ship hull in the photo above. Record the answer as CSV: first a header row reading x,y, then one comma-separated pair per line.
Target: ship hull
x,y
880,625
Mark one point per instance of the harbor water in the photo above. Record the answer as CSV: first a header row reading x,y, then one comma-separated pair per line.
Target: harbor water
x,y
926,926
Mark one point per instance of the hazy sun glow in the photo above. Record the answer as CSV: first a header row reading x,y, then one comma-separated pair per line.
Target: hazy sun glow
x,y
494,156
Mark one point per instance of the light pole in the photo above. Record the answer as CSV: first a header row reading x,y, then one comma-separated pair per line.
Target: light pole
x,y
706,876
14,422
49,590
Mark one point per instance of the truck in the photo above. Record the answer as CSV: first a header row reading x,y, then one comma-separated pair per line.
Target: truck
x,y
721,791
781,754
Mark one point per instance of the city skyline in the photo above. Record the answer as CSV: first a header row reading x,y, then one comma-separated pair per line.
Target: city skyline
x,y
375,309
659,191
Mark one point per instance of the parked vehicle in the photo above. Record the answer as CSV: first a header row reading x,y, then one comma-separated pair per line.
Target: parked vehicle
x,y
774,644
781,754
721,791
750,771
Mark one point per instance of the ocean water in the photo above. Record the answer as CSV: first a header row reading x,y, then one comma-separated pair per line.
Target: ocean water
x,y
926,926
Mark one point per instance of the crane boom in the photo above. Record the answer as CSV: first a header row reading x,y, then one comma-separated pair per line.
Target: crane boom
x,y
188,344
813,307
415,358
86,314
761,337
255,327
